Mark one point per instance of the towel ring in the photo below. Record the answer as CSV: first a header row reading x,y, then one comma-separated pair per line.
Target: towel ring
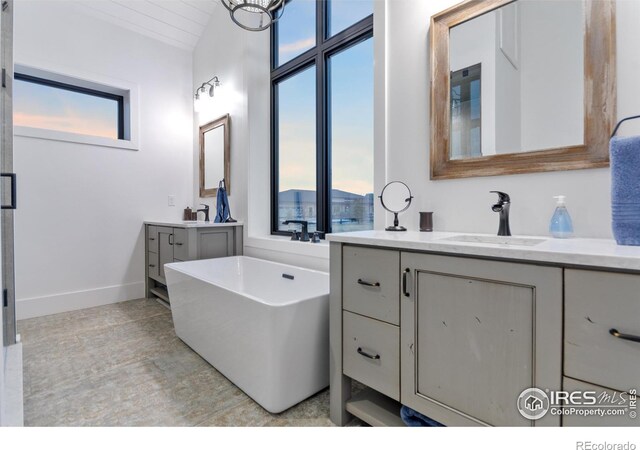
x,y
615,130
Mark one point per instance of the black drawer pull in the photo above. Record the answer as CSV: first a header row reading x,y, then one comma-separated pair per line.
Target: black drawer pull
x,y
178,243
368,283
152,239
404,282
367,355
152,265
626,337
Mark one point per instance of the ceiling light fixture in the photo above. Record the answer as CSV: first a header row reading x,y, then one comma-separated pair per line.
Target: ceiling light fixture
x,y
254,15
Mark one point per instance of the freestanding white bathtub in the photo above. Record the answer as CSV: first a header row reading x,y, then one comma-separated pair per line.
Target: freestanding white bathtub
x,y
263,325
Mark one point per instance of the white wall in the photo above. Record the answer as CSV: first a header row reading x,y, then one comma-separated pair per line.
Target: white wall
x,y
79,233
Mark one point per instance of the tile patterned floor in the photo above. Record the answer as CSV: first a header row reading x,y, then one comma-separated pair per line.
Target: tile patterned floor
x,y
123,365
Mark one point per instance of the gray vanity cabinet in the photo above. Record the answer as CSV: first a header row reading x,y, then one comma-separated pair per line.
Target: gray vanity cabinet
x,y
459,336
475,334
166,244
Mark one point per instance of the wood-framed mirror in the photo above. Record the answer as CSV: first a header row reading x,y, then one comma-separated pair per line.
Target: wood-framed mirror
x,y
215,156
521,86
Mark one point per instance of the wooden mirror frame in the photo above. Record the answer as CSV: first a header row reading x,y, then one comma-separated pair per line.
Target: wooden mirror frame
x,y
223,121
599,99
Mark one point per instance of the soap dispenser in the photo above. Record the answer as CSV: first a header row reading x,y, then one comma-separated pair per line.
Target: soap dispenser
x,y
561,226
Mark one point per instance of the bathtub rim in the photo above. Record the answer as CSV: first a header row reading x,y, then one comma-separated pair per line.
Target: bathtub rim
x,y
172,266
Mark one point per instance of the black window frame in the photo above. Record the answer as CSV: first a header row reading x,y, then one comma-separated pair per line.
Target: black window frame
x,y
81,90
318,57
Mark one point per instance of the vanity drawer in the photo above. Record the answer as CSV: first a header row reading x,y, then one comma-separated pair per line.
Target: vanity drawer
x,y
596,303
371,282
616,398
371,353
152,239
180,248
153,264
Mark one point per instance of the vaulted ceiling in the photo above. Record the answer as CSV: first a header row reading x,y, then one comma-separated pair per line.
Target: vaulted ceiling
x,y
176,22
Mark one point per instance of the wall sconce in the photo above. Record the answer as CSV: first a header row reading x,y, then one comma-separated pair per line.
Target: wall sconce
x,y
207,86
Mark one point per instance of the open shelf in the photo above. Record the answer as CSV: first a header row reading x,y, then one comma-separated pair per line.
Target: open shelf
x,y
375,409
161,292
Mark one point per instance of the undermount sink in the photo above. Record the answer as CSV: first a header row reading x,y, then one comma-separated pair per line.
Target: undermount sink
x,y
498,240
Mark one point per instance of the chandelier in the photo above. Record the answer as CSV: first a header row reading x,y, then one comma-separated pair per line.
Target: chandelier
x,y
254,15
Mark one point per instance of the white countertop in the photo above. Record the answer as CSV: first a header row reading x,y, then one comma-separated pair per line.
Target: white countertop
x,y
191,223
604,253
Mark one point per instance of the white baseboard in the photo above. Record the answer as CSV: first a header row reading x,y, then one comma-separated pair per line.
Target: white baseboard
x,y
70,301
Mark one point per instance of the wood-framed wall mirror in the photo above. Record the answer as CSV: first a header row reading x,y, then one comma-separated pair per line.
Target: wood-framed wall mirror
x,y
215,156
521,86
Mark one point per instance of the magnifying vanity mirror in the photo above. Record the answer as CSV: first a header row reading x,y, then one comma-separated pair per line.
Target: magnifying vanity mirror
x,y
521,86
396,197
215,156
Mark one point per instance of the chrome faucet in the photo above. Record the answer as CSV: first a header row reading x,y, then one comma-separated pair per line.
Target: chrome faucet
x,y
205,210
304,235
504,202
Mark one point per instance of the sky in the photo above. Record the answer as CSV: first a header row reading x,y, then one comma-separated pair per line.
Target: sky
x,y
39,106
351,97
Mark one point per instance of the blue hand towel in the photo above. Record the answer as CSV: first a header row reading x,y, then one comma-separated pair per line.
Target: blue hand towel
x,y
625,189
413,418
222,205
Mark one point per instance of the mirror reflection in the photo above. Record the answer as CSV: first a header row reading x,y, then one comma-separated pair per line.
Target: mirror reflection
x,y
517,79
214,156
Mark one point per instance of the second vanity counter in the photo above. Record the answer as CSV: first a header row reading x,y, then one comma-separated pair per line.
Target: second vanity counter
x,y
600,253
191,224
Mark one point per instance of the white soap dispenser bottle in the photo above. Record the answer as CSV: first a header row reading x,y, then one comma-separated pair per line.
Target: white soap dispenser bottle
x,y
561,225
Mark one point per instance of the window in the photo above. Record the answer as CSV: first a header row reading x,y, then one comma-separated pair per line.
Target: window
x,y
52,105
322,116
466,113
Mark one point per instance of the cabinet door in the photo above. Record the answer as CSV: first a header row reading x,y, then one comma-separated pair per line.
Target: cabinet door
x,y
165,249
475,334
215,243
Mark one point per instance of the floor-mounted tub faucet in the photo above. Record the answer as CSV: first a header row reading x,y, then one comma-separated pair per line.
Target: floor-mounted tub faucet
x,y
304,235
504,202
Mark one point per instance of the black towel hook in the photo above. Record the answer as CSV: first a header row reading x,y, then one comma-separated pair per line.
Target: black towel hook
x,y
615,130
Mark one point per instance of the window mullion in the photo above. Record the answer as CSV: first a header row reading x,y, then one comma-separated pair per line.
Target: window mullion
x,y
322,189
